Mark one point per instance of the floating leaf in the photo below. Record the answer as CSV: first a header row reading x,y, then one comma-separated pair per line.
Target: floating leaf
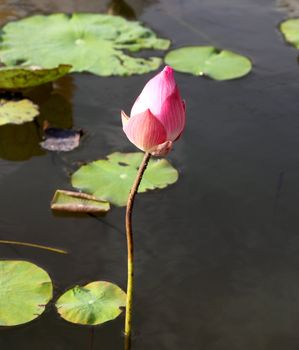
x,y
290,30
207,60
78,202
25,289
92,304
88,42
25,77
17,112
63,140
112,179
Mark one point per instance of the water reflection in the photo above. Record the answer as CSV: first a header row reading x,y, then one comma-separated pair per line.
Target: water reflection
x,y
21,142
127,7
292,6
11,10
121,8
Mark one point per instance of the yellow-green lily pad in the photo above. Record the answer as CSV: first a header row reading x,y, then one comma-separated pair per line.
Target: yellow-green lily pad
x,y
290,30
95,43
25,289
112,179
13,78
92,304
209,61
78,202
17,112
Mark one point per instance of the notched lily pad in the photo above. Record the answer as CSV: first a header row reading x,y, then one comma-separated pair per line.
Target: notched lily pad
x,y
63,140
89,42
92,304
17,112
207,60
13,78
78,202
290,30
25,289
112,179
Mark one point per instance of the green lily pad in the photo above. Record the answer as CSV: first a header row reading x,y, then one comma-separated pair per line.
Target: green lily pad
x,y
112,179
88,42
92,304
290,30
207,60
17,112
25,289
24,77
78,202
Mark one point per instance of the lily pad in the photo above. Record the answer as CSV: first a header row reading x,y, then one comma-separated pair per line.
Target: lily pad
x,y
25,289
17,112
88,42
78,202
112,179
207,60
290,30
12,78
92,304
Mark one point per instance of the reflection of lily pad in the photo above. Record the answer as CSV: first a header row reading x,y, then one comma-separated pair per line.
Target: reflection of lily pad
x,y
112,179
93,304
207,60
20,142
290,30
17,112
25,289
88,42
78,202
25,77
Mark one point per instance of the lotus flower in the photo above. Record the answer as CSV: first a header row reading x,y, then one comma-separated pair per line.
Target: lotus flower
x,y
158,116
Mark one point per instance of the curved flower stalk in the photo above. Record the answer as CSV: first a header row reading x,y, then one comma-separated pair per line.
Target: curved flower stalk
x,y
157,119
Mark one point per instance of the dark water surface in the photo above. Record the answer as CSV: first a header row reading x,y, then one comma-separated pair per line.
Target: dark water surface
x,y
217,253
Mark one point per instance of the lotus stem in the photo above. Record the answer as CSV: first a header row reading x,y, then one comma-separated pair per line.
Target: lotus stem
x,y
130,247
33,245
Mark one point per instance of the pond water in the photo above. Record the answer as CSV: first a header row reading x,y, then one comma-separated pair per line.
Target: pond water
x,y
217,254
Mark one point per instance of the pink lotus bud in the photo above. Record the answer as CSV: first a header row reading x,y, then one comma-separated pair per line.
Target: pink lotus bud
x,y
158,115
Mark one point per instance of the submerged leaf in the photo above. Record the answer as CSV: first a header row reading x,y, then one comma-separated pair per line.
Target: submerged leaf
x,y
25,77
63,140
25,289
17,112
92,304
78,202
88,42
112,179
290,30
207,60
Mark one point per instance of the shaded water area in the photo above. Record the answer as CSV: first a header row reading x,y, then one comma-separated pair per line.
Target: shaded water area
x,y
217,254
